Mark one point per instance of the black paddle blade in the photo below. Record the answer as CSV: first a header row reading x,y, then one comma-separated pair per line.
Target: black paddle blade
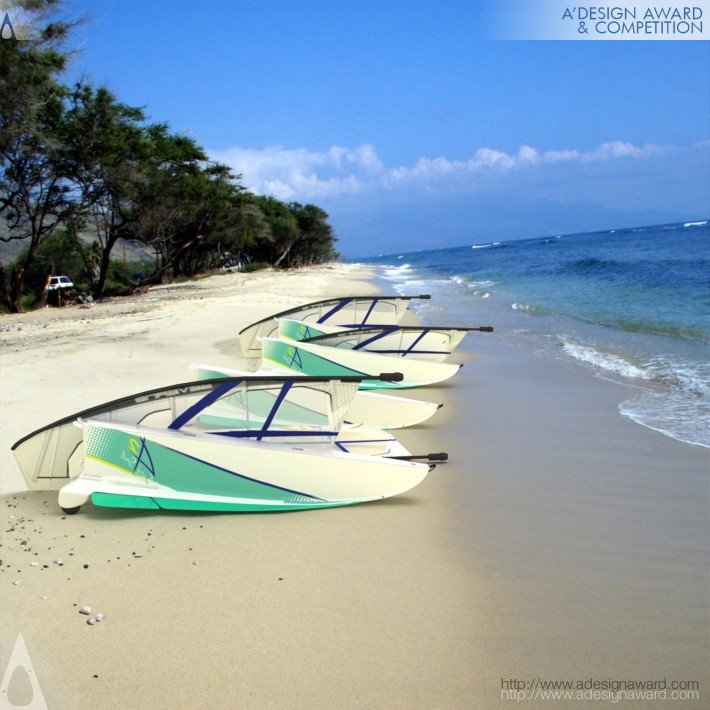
x,y
440,457
389,377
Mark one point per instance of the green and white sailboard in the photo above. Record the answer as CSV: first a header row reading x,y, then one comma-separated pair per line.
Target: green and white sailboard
x,y
377,409
224,444
351,311
420,342
322,361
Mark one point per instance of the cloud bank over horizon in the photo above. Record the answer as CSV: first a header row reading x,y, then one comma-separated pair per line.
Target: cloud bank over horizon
x,y
367,197
302,174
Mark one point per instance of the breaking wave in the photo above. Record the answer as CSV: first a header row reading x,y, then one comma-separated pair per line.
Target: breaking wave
x,y
605,361
486,246
675,400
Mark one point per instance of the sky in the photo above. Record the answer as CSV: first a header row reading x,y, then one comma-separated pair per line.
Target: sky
x,y
408,123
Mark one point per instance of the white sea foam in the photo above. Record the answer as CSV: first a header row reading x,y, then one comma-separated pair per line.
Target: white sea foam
x,y
686,378
675,396
671,414
695,224
485,246
420,284
397,273
524,307
691,378
605,361
407,282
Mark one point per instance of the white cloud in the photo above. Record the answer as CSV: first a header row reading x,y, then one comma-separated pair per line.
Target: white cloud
x,y
291,174
301,174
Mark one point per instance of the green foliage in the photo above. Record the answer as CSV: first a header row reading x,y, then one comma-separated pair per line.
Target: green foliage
x,y
254,266
58,254
35,197
77,162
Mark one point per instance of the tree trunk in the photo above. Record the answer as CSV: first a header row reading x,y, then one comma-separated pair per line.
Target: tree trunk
x,y
5,288
285,254
43,298
157,276
103,266
16,281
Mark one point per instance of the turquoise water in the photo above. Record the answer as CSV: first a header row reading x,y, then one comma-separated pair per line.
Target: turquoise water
x,y
632,304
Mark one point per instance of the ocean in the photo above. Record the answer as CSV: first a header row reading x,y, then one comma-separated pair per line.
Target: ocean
x,y
631,304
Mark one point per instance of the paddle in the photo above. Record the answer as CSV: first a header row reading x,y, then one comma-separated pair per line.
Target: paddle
x,y
441,457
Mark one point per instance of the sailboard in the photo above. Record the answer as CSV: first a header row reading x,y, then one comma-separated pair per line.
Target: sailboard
x,y
51,455
129,466
384,411
434,343
319,360
353,311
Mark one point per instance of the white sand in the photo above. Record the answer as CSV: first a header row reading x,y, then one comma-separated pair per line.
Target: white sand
x,y
366,606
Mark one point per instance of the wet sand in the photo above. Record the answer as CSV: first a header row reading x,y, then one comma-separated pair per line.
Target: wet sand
x,y
588,533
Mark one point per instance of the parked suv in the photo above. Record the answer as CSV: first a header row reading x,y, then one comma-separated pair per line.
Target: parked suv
x,y
57,282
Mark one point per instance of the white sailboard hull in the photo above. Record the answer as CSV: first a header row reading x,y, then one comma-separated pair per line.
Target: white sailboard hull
x,y
140,467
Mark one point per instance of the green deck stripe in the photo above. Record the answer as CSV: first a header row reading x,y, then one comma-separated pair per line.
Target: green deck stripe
x,y
116,500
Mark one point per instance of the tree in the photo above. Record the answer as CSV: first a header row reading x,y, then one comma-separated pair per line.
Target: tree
x,y
35,197
316,239
78,160
187,206
253,229
108,160
283,227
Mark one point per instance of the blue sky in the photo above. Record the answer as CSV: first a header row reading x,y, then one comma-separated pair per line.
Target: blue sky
x,y
409,126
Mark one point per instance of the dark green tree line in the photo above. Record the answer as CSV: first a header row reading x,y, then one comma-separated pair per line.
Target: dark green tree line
x,y
77,162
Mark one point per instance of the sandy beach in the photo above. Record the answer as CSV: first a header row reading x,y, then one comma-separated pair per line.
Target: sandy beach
x,y
345,607
561,541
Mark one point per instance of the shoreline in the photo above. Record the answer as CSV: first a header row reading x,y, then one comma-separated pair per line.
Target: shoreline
x,y
586,531
561,540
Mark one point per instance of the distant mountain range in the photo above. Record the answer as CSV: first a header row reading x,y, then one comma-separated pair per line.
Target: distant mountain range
x,y
444,223
134,250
